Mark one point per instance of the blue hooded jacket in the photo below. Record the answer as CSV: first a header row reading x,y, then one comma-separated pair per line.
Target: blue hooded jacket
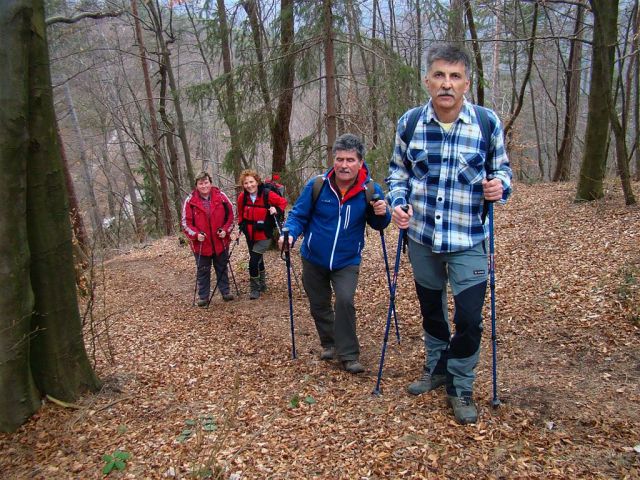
x,y
334,229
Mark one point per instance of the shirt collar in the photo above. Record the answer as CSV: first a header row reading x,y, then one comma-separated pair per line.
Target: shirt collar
x,y
464,115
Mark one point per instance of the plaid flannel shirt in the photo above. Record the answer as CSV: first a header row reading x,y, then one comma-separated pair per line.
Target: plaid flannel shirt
x,y
441,177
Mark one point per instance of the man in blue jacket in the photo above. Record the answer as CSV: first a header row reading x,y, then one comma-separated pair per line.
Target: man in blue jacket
x,y
333,227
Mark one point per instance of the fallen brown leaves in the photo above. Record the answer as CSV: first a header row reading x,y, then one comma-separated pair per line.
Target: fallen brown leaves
x,y
196,390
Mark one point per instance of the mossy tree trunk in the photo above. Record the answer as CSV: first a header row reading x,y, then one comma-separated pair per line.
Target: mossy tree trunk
x,y
41,345
594,161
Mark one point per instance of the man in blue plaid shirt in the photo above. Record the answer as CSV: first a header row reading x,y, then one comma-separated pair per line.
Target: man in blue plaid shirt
x,y
441,174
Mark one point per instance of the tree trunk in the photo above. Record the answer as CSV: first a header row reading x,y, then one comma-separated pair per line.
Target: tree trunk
x,y
476,53
131,188
622,156
74,210
373,89
330,83
523,87
94,213
280,129
419,46
19,397
175,95
164,187
495,77
592,170
455,23
42,333
229,109
562,172
168,137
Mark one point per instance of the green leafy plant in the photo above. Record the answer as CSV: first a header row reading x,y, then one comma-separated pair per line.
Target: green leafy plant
x,y
295,401
117,460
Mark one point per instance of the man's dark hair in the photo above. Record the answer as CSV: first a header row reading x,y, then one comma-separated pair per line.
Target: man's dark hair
x,y
349,141
449,53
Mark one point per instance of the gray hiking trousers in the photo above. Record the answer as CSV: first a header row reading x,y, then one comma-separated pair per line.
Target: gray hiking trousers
x,y
336,324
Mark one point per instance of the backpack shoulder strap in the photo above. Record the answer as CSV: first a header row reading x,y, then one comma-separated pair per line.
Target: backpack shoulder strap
x,y
412,122
318,183
486,128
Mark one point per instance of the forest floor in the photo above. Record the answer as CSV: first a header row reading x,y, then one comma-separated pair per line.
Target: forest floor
x,y
191,392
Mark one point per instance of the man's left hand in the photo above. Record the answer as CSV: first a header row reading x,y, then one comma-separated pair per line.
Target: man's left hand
x,y
379,207
492,189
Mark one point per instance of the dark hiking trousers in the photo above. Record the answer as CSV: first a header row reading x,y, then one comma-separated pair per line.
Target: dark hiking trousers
x,y
466,273
204,274
336,324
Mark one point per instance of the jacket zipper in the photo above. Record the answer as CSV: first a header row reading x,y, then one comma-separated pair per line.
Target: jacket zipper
x,y
335,238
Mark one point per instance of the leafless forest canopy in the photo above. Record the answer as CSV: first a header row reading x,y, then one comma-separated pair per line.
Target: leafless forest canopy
x,y
264,84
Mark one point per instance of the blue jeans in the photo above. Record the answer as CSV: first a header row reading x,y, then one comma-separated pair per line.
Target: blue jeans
x,y
466,272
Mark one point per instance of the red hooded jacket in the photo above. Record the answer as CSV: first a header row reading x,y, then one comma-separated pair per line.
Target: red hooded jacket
x,y
249,213
196,220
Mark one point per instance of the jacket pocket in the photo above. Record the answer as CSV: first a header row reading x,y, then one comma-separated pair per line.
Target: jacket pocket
x,y
419,162
470,168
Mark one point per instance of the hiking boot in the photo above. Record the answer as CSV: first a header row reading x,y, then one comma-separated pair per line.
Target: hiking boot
x,y
464,408
353,366
254,288
327,353
227,297
263,281
202,302
426,383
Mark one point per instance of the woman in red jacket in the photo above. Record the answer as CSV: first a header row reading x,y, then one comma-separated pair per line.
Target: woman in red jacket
x,y
256,208
207,219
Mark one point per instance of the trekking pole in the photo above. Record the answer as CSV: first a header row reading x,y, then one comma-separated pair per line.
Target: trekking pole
x,y
392,300
376,197
195,288
226,267
287,257
233,277
495,401
293,270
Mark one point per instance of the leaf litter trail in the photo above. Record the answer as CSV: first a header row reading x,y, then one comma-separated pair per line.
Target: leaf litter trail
x,y
218,388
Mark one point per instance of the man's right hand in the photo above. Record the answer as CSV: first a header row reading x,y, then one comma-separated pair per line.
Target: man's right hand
x,y
201,237
401,218
281,241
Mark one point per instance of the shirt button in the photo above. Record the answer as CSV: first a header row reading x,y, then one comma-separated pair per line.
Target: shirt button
x,y
439,199
437,217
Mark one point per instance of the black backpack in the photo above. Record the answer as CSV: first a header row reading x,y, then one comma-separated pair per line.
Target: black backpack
x,y
269,224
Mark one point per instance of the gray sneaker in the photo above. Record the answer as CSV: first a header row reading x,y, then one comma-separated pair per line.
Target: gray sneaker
x,y
426,383
464,409
203,302
327,353
353,366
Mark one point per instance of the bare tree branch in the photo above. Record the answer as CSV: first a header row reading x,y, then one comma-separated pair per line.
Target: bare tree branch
x,y
81,16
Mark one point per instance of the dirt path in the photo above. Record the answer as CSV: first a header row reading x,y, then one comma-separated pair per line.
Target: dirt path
x,y
217,389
